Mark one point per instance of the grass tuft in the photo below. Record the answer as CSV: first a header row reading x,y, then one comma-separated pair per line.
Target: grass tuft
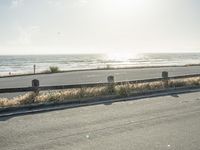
x,y
54,69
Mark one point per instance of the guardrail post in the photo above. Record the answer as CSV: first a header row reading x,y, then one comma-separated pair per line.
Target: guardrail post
x,y
35,85
34,69
111,85
165,78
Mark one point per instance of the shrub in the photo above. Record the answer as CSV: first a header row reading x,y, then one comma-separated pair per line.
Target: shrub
x,y
123,90
108,66
53,69
28,98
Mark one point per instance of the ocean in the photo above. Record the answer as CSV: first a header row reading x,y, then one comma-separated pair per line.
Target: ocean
x,y
16,64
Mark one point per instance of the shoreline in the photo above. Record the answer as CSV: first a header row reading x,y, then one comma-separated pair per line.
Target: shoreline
x,y
96,69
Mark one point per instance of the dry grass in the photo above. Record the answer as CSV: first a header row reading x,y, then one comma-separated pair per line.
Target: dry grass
x,y
67,95
185,82
27,98
80,93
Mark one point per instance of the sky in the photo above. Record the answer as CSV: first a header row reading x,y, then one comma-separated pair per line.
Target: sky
x,y
99,26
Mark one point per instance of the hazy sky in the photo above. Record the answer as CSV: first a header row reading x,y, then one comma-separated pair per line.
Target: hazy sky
x,y
94,26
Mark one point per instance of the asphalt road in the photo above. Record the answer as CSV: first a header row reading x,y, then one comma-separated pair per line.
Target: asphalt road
x,y
170,122
94,76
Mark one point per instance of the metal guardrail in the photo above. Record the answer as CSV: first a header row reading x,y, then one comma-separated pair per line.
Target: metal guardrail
x,y
35,84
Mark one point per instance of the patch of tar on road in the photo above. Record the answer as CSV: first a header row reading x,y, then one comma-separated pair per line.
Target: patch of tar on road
x,y
198,99
175,95
184,101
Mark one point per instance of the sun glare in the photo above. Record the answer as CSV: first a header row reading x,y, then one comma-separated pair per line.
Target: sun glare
x,y
121,56
128,4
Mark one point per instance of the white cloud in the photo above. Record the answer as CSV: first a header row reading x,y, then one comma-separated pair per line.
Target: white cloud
x,y
62,4
80,3
55,3
16,3
25,35
83,1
